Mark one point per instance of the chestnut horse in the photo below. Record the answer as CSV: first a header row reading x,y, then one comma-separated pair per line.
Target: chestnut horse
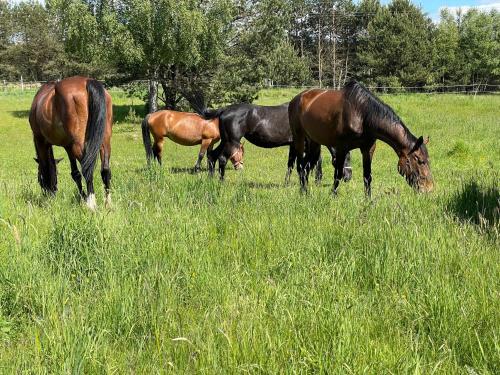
x,y
354,118
75,113
187,129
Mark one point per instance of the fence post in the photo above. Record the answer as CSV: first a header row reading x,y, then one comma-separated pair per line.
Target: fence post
x,y
22,84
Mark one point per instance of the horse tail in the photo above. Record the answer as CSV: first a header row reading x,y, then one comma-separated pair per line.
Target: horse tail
x,y
146,139
197,102
96,123
209,114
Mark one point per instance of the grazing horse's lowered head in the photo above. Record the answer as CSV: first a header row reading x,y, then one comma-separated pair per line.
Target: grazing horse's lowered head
x,y
237,157
47,174
414,167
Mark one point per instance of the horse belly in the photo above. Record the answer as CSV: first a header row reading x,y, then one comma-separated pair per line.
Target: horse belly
x,y
184,139
320,132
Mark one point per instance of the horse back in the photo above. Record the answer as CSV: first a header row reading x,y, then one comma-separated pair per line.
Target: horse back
x,y
185,128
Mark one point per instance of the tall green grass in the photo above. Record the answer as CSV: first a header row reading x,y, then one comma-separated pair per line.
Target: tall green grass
x,y
187,274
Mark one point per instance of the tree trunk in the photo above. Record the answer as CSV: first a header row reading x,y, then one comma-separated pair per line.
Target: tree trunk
x,y
319,52
334,49
346,67
153,95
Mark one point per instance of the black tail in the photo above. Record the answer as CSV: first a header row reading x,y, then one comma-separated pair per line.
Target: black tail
x,y
146,139
96,122
197,102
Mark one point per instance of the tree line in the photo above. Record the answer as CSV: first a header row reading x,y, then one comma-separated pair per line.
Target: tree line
x,y
230,48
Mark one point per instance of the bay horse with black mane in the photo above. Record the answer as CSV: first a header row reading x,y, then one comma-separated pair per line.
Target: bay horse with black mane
x,y
263,126
354,118
187,129
75,113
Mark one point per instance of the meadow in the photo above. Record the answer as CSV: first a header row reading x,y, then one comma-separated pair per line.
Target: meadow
x,y
186,274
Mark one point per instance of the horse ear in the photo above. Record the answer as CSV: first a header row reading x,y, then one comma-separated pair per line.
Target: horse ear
x,y
426,140
36,159
58,160
417,145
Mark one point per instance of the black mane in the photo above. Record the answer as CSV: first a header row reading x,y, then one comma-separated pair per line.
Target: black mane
x,y
369,105
373,110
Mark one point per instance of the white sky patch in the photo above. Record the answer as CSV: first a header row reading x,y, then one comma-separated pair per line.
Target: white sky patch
x,y
486,7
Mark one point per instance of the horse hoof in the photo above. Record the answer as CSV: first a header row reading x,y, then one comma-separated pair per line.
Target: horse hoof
x,y
107,202
91,202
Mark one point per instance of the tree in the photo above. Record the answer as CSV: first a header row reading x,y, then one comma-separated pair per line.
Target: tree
x,y
446,49
480,46
28,45
398,49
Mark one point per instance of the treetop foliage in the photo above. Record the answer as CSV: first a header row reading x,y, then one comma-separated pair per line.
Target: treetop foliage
x,y
230,48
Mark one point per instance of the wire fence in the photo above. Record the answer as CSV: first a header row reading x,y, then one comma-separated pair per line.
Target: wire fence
x,y
471,89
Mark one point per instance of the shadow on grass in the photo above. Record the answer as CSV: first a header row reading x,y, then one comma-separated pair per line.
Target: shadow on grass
x,y
121,113
263,185
20,114
478,204
129,113
185,170
36,197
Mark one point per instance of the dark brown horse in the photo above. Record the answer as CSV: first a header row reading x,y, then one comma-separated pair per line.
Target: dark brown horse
x,y
264,126
354,118
187,129
75,113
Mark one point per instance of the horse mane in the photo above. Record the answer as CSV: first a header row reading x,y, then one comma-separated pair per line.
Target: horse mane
x,y
373,110
371,107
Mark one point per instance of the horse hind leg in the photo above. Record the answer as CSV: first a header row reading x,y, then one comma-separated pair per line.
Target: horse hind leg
x,y
313,158
75,172
205,144
90,201
158,150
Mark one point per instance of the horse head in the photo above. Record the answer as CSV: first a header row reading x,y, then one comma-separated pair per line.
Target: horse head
x,y
47,174
414,167
237,157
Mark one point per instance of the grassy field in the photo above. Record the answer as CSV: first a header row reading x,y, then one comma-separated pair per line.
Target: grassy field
x,y
189,275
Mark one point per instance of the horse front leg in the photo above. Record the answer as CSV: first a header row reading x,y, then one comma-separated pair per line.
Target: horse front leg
x,y
367,153
301,163
347,168
212,157
339,170
319,171
291,160
227,153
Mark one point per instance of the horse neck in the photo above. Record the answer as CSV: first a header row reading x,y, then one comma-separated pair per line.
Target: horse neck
x,y
395,134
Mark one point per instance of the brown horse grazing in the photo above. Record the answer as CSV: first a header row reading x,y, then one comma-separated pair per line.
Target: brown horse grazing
x,y
75,113
354,118
187,129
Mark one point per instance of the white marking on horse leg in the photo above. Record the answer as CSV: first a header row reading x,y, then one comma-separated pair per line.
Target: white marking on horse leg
x,y
107,201
91,202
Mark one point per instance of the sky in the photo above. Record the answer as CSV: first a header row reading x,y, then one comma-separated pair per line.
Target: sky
x,y
433,7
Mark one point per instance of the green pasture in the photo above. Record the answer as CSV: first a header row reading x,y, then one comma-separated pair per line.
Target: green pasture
x,y
186,274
